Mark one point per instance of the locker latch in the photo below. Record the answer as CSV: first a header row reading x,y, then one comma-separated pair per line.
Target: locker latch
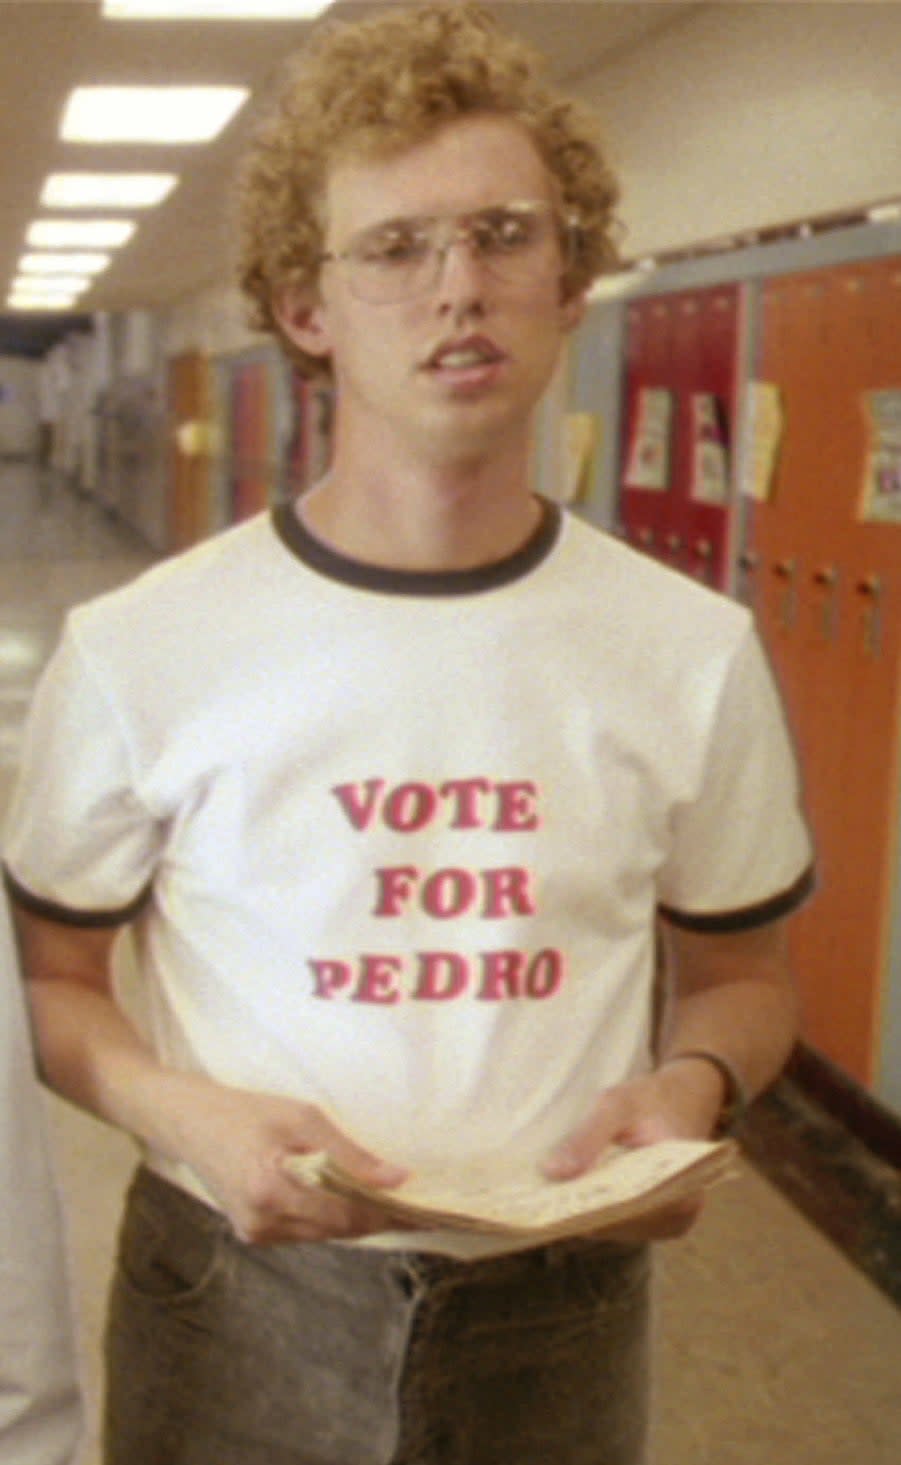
x,y
787,571
827,579
870,588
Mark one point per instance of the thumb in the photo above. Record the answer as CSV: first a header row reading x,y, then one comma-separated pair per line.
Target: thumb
x,y
582,1147
359,1162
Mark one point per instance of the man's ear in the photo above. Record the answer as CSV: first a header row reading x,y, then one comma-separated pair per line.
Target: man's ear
x,y
302,319
573,311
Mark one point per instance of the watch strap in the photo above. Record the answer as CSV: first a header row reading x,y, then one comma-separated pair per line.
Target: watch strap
x,y
735,1094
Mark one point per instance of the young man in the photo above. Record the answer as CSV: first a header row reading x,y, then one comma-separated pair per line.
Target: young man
x,y
40,1404
392,786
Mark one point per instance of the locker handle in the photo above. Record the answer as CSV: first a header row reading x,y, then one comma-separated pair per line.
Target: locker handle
x,y
870,589
704,552
827,579
787,570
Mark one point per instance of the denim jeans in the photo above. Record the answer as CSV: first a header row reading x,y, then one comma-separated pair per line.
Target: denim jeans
x,y
219,1353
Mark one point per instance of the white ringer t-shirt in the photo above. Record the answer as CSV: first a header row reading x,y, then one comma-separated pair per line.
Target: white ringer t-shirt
x,y
394,842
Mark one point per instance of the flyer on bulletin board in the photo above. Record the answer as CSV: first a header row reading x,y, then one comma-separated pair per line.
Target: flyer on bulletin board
x,y
881,498
581,436
710,450
764,423
648,462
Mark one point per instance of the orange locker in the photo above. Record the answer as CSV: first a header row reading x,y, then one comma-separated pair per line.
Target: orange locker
x,y
189,476
250,434
828,597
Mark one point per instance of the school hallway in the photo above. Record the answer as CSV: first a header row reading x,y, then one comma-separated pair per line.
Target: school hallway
x,y
779,1340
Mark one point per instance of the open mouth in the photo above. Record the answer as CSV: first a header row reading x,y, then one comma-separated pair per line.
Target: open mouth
x,y
469,355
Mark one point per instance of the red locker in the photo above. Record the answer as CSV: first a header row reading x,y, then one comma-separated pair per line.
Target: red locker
x,y
679,415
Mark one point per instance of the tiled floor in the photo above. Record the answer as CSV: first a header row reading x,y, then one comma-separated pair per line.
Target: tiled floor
x,y
774,1348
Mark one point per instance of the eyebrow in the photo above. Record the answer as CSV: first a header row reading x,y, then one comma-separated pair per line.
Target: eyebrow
x,y
396,221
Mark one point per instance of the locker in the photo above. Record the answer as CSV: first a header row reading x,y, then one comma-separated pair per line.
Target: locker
x,y
648,445
827,596
189,477
250,431
684,345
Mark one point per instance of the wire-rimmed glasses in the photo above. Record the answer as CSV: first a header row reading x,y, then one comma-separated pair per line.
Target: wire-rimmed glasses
x,y
519,242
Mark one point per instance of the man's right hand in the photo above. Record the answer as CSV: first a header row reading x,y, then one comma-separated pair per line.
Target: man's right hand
x,y
236,1141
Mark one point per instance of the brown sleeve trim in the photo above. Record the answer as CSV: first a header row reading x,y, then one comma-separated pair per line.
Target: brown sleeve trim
x,y
48,910
745,920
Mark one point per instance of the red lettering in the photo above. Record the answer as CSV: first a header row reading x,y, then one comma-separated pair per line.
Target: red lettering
x,y
501,975
507,894
359,801
378,979
329,977
394,888
516,807
442,975
410,807
545,974
465,793
449,893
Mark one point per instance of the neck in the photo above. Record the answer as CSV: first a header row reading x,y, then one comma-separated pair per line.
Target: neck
x,y
432,516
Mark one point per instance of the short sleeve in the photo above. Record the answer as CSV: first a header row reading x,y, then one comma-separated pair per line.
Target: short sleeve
x,y
80,844
741,853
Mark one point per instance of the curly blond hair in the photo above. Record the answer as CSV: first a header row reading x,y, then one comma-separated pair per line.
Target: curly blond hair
x,y
376,87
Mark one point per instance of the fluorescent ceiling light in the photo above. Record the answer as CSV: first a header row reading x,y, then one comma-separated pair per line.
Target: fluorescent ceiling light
x,y
151,114
61,264
212,9
106,190
79,233
54,303
51,285
884,213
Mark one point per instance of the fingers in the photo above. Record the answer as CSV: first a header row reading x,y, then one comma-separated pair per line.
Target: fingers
x,y
359,1162
284,1202
580,1150
638,1112
286,1209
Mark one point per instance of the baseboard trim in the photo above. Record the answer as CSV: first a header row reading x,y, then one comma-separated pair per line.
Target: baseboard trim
x,y
870,1121
832,1150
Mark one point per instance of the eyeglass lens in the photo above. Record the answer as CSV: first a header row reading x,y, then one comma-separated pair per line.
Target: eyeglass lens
x,y
404,257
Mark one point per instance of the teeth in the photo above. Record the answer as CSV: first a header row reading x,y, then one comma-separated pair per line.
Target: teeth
x,y
463,358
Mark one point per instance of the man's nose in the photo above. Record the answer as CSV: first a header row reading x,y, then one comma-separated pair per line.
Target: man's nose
x,y
461,269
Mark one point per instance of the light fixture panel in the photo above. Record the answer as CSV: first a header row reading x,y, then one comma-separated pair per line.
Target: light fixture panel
x,y
149,114
49,304
51,285
213,9
79,233
63,264
106,190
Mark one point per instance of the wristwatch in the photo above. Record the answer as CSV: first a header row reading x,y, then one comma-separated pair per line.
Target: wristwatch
x,y
735,1095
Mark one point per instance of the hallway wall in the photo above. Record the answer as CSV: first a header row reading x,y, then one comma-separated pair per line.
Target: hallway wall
x,y
743,115
18,407
734,117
